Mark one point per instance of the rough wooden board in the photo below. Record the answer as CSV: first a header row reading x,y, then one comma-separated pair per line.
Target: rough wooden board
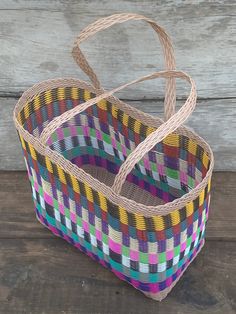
x,y
18,218
50,276
36,38
11,157
214,120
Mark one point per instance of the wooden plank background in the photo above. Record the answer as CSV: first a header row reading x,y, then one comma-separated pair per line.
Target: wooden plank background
x,y
37,36
36,39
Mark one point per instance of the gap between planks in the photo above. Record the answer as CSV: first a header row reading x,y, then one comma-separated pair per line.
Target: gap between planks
x,y
16,96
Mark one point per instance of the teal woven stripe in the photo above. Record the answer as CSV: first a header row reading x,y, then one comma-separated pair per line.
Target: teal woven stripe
x,y
125,250
70,152
144,277
116,227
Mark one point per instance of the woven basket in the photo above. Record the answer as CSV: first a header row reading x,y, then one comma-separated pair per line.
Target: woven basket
x,y
128,189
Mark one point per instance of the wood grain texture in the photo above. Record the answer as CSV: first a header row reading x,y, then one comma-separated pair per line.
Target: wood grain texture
x,y
214,120
36,38
18,219
50,276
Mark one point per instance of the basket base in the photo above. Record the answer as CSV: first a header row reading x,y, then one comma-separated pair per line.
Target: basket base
x,y
129,190
163,294
155,296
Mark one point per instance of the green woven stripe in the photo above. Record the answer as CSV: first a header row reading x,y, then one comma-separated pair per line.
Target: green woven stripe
x,y
144,277
143,257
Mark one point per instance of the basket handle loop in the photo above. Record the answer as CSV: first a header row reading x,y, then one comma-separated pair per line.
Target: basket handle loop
x,y
106,22
159,134
151,140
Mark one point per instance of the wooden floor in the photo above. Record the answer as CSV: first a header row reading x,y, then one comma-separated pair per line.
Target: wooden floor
x,y
40,273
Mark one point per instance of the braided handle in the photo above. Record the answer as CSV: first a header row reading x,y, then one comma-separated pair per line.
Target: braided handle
x,y
158,135
105,23
155,137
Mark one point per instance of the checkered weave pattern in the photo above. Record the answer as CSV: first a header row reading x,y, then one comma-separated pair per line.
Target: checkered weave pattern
x,y
148,251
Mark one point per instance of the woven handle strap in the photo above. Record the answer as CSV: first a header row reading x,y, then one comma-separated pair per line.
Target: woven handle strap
x,y
155,137
103,23
158,135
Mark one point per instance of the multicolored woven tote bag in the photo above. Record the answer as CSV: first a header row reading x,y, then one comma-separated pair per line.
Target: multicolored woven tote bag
x,y
128,189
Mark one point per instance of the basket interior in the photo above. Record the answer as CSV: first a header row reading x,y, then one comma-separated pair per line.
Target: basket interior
x,y
100,138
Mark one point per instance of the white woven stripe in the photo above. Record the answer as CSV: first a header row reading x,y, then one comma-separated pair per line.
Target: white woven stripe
x,y
115,235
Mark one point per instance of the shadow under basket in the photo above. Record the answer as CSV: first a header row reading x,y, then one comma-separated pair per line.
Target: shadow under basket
x,y
134,234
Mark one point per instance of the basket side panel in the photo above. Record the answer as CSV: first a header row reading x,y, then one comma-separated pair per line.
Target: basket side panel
x,y
150,253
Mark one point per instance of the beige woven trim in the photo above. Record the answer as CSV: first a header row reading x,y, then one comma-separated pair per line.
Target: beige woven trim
x,y
43,86
105,23
81,175
158,135
189,105
155,137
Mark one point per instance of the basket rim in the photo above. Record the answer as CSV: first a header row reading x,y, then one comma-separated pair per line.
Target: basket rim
x,y
120,200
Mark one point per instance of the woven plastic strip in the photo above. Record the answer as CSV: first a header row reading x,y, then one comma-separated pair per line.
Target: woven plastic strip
x,y
105,23
124,187
164,130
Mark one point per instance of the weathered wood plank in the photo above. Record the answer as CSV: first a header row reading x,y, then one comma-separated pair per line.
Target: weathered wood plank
x,y
214,120
36,38
10,152
18,218
50,276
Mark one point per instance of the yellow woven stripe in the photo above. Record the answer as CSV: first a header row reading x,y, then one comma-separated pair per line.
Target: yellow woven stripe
x,y
201,197
123,216
192,147
26,111
48,164
74,93
89,193
125,119
189,209
159,223
61,175
209,185
102,104
61,93
36,103
149,130
172,140
175,217
87,95
75,184
137,126
22,142
20,118
205,160
114,111
140,222
32,152
103,201
47,97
